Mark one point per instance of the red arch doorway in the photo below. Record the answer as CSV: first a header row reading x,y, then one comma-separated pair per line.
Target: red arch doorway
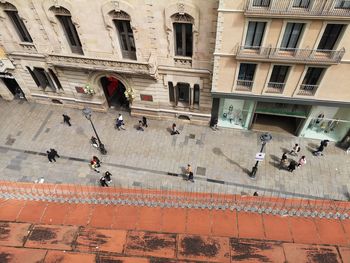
x,y
114,92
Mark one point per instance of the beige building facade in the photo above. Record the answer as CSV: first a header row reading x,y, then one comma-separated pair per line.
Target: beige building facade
x,y
152,57
283,65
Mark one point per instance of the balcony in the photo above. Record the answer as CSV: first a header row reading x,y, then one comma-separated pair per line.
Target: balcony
x,y
314,9
275,87
301,56
244,85
307,90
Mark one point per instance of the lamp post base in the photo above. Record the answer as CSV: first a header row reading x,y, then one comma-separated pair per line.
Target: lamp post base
x,y
102,149
253,172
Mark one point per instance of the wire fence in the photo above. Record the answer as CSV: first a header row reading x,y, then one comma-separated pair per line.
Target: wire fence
x,y
82,194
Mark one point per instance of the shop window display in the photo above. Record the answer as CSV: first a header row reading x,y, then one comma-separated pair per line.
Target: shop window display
x,y
321,127
235,113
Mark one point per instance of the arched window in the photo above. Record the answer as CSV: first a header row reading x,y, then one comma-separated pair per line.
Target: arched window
x,y
17,22
65,18
125,33
183,34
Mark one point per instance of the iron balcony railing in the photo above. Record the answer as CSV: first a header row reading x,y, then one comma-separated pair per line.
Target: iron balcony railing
x,y
244,85
307,90
275,87
315,56
316,8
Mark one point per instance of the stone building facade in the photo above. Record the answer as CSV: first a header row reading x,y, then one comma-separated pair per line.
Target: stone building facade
x,y
283,65
154,57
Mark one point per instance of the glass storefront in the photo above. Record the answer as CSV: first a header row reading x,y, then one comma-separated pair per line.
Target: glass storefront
x,y
327,123
235,113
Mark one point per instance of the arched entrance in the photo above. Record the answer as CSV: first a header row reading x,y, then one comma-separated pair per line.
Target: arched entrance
x,y
114,92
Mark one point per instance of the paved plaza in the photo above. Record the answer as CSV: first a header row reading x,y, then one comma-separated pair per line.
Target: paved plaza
x,y
221,160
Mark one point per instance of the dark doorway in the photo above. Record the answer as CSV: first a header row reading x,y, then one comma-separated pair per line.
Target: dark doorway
x,y
276,123
114,92
13,87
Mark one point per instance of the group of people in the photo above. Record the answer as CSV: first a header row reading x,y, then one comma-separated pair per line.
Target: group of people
x,y
105,179
302,161
52,154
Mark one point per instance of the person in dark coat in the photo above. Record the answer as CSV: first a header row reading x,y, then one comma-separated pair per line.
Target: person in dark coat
x,y
51,155
144,122
66,119
319,150
292,165
103,182
107,176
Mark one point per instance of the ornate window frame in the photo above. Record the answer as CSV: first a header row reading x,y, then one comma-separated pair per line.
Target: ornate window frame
x,y
12,4
176,11
110,10
55,23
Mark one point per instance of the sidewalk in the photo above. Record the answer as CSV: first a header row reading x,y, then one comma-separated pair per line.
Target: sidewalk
x,y
220,159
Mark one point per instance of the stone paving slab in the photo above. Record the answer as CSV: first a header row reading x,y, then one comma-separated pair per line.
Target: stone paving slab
x,y
221,160
51,237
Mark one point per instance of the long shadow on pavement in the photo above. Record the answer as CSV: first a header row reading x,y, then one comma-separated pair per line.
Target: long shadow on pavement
x,y
218,151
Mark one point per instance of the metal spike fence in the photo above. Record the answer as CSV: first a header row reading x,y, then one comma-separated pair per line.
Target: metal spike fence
x,y
168,198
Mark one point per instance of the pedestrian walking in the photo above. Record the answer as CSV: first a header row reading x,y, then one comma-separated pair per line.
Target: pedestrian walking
x,y
108,176
324,143
284,161
255,194
103,182
54,153
302,161
66,119
94,141
319,150
139,127
120,123
214,124
94,165
51,156
174,129
295,150
292,165
96,161
189,173
144,122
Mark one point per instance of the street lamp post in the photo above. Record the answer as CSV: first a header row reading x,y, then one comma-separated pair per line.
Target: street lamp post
x,y
264,138
87,112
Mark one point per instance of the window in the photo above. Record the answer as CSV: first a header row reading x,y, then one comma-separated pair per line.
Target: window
x,y
292,35
301,3
313,76
262,3
126,38
183,39
171,92
45,79
255,34
71,33
19,26
246,76
330,36
246,72
183,92
196,94
278,77
56,80
279,74
345,4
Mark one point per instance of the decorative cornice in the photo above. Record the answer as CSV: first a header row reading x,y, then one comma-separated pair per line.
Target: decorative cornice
x,y
101,64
